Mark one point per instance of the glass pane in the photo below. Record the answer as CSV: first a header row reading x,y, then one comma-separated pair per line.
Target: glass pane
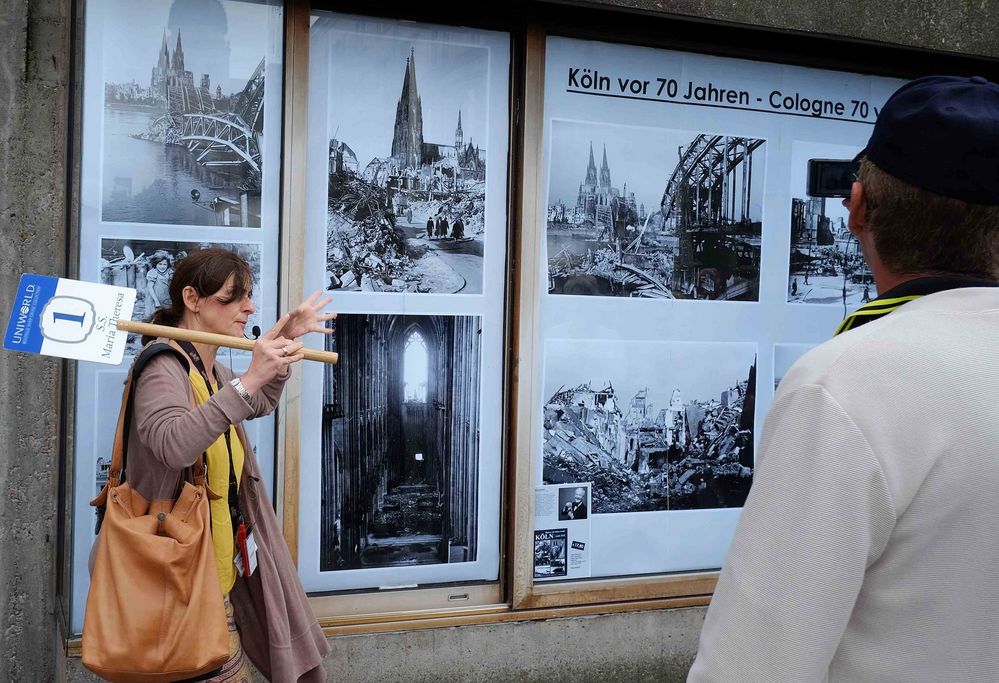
x,y
401,440
679,245
182,109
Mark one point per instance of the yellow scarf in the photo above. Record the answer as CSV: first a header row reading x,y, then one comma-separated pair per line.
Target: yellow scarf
x,y
218,481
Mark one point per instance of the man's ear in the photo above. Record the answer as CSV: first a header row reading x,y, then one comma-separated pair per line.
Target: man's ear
x,y
191,298
858,209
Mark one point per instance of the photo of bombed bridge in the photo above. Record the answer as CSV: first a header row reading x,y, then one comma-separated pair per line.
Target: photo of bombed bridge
x,y
186,148
702,242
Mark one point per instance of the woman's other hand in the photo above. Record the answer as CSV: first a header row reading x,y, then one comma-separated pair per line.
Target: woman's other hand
x,y
309,317
273,355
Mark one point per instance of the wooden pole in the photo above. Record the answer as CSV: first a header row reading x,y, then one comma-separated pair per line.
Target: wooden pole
x,y
150,330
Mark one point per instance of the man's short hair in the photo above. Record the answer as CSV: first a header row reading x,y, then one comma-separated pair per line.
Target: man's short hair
x,y
917,231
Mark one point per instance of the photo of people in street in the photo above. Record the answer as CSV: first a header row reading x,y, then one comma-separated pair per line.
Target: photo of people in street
x,y
147,266
825,265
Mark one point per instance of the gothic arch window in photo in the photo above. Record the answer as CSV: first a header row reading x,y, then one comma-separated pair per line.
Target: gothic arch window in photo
x,y
415,368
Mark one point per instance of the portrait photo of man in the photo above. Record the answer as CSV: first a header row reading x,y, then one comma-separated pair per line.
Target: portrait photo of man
x,y
572,503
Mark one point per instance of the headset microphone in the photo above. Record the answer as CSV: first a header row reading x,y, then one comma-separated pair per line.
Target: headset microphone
x,y
254,331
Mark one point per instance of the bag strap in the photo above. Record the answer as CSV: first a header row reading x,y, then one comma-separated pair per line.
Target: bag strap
x,y
119,454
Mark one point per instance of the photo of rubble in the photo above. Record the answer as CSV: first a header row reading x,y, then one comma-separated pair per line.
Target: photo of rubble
x,y
652,425
825,265
147,266
400,442
183,112
654,213
407,171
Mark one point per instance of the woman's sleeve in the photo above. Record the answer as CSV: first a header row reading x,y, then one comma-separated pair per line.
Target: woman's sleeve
x,y
168,425
265,399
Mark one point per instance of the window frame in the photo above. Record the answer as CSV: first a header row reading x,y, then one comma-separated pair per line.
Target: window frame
x,y
529,23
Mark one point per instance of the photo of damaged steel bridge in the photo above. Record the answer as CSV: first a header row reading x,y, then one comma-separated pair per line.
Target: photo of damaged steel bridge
x,y
703,241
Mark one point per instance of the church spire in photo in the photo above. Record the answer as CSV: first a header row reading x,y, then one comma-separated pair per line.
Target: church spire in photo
x,y
605,179
407,138
591,169
178,55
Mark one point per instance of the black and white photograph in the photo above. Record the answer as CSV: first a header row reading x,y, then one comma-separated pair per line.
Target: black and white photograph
x,y
573,503
147,266
400,442
183,111
651,425
786,355
407,128
654,213
550,553
825,265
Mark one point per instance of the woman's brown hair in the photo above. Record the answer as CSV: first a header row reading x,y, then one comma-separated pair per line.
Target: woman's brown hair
x,y
206,270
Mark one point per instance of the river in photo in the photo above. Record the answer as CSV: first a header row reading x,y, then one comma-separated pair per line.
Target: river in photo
x,y
151,182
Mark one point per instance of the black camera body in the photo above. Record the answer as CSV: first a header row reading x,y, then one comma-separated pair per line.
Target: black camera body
x,y
831,177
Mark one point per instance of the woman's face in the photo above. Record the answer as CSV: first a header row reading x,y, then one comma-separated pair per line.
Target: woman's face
x,y
221,313
162,266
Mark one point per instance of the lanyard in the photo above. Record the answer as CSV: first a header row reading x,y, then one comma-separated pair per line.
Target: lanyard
x,y
234,512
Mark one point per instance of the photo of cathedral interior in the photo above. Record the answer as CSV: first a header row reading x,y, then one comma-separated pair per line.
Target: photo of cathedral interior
x,y
400,454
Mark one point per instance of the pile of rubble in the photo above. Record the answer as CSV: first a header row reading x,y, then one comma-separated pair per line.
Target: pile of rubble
x,y
363,250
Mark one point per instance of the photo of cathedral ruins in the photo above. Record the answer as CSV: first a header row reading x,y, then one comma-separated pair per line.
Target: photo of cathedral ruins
x,y
400,454
184,124
679,218
406,200
672,430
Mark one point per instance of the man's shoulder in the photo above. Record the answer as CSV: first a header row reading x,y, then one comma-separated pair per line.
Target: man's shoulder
x,y
893,349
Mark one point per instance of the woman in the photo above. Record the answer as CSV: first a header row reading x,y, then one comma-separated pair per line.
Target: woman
x,y
270,616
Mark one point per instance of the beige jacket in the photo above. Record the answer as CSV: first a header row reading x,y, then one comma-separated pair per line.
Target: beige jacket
x,y
276,622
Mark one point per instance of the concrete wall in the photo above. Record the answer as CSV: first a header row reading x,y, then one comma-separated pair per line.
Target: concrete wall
x,y
34,83
641,646
34,76
952,26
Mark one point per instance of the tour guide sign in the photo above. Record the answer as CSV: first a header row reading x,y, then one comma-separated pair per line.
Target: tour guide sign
x,y
69,319
54,316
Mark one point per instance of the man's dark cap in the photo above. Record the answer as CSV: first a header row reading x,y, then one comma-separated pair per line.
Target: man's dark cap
x,y
941,134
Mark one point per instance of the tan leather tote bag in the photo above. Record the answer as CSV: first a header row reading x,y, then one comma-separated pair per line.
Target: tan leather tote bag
x,y
155,610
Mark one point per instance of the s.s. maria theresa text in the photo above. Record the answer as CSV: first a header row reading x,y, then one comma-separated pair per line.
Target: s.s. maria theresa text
x,y
591,81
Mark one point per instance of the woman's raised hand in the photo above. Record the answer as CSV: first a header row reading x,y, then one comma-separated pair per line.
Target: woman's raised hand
x,y
309,317
273,355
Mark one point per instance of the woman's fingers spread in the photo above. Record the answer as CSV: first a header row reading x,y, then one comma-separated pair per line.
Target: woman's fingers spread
x,y
278,326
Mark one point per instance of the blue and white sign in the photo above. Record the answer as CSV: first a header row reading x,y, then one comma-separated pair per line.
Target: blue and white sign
x,y
69,319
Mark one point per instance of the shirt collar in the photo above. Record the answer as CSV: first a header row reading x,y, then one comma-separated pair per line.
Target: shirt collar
x,y
904,293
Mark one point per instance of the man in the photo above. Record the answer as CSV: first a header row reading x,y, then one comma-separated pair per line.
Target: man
x,y
868,545
575,508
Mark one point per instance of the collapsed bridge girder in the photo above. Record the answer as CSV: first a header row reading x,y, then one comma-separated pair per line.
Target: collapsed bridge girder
x,y
708,165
